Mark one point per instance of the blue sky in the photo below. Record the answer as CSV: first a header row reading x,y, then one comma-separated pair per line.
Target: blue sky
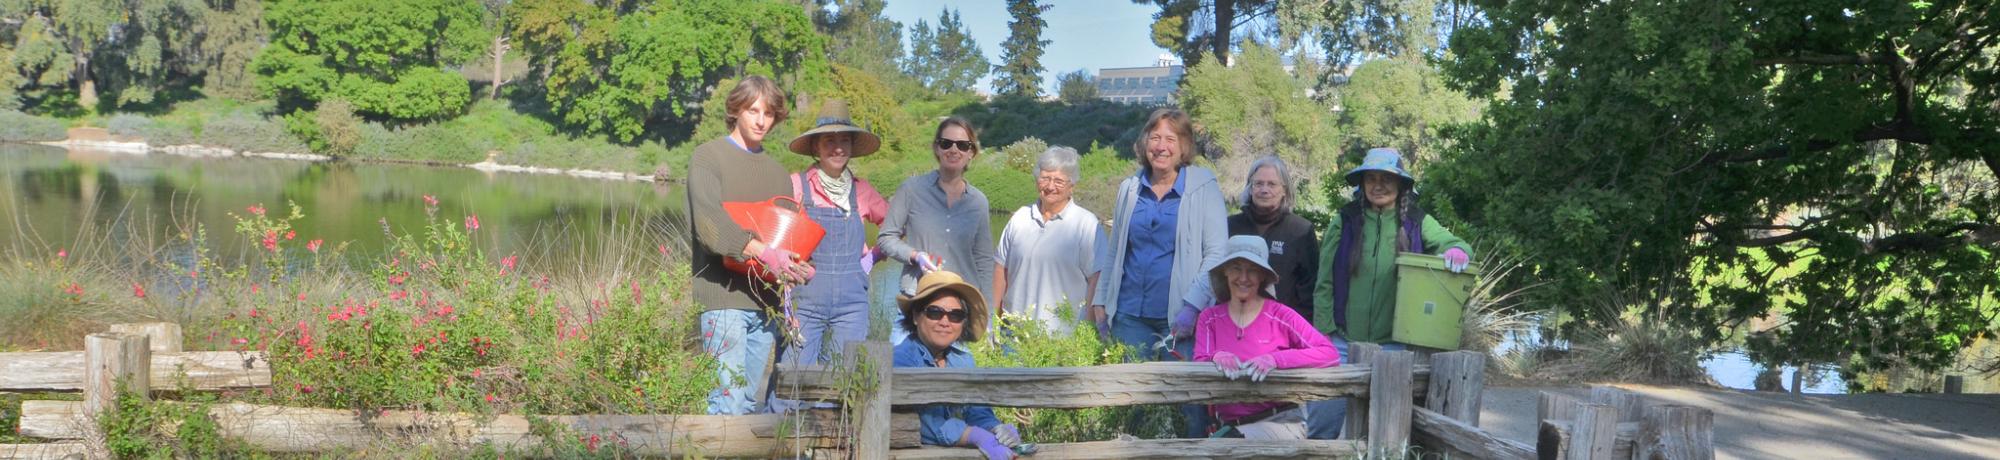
x,y
1083,34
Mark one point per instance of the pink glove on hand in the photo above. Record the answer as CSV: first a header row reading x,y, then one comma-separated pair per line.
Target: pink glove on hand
x,y
1456,260
784,263
1230,365
1260,366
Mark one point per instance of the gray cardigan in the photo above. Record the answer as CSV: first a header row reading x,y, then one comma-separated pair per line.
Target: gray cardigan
x,y
1201,233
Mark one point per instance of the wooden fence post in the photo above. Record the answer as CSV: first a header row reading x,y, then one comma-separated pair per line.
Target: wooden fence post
x,y
165,337
1390,401
1675,432
1593,433
1629,405
111,359
873,421
1458,380
1551,439
1357,408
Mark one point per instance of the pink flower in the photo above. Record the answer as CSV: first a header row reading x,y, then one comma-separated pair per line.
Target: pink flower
x,y
239,341
489,398
62,253
74,289
313,246
271,241
302,388
430,200
253,310
471,222
506,264
257,209
138,290
417,350
397,279
289,234
399,295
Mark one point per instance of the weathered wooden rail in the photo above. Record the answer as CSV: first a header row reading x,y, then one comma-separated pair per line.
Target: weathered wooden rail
x,y
1384,415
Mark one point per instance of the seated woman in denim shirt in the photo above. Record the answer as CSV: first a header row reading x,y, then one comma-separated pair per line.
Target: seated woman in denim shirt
x,y
936,316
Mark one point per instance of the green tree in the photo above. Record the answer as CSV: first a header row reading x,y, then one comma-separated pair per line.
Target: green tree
x,y
1351,31
1727,161
1254,108
1196,28
1400,103
1077,87
859,36
232,31
387,57
615,70
1021,55
153,44
947,60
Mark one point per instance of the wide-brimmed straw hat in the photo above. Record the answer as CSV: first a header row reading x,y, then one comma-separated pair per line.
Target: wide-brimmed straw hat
x,y
1381,159
833,119
1246,247
941,281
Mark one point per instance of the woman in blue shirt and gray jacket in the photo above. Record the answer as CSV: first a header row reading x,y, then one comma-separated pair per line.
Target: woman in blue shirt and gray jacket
x,y
1169,228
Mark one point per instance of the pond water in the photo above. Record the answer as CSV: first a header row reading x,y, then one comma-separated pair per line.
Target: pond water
x,y
1730,367
60,198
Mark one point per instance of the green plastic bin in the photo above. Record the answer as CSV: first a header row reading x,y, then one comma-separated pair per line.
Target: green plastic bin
x,y
1429,301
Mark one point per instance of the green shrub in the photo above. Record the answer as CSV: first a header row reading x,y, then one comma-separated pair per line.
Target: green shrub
x,y
1027,343
250,132
127,124
339,128
420,142
20,127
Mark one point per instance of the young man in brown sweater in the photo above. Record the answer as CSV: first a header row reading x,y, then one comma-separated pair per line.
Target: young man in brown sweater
x,y
735,326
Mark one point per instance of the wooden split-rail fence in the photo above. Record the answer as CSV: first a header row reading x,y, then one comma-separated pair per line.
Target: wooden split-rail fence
x,y
874,423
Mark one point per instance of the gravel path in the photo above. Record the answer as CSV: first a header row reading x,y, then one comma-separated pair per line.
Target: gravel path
x,y
1761,425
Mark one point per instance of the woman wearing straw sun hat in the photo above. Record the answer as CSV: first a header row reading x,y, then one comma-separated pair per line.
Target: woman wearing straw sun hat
x,y
832,308
1249,334
943,315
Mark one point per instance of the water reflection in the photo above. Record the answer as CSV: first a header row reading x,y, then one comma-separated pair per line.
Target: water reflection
x,y
55,197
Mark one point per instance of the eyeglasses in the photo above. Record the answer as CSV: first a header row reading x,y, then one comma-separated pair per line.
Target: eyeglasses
x,y
1056,181
937,313
947,144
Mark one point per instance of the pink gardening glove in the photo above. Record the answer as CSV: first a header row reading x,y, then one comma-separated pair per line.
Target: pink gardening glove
x,y
785,263
1260,366
1456,260
988,444
1230,365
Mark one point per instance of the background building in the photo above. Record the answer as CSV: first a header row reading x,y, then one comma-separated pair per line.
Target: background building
x,y
1155,85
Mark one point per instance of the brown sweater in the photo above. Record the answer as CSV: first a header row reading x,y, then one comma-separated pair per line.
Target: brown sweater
x,y
720,171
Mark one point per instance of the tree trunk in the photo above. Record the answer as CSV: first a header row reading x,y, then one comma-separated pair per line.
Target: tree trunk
x,y
1225,18
499,54
86,90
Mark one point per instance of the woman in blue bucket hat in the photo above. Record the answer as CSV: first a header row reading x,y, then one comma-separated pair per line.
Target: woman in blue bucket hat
x,y
1356,293
1357,284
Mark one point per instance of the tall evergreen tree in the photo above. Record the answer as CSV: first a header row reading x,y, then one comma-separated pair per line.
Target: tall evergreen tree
x,y
1021,55
946,60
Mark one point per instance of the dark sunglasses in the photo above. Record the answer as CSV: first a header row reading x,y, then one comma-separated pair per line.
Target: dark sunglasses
x,y
947,144
937,313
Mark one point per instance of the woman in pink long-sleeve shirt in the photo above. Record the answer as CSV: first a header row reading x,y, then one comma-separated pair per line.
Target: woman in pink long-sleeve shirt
x,y
1249,334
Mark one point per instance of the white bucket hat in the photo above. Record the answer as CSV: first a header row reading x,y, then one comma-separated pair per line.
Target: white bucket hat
x,y
1247,247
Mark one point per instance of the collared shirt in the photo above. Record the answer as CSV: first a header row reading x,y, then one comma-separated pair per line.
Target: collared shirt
x,y
1049,262
944,424
1149,255
960,233
870,203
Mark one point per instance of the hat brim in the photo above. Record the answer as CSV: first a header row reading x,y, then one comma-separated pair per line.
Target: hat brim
x,y
1219,281
1354,177
865,142
975,308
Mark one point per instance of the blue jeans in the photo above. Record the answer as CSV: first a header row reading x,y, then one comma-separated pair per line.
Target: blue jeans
x,y
1141,334
742,343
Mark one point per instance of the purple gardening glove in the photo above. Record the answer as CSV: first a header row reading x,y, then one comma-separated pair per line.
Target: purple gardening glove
x,y
1456,260
1007,434
1183,323
868,256
1230,365
925,261
1260,366
987,444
